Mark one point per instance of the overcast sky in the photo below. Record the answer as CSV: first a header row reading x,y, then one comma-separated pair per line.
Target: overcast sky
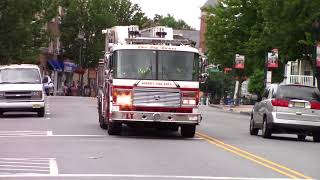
x,y
187,10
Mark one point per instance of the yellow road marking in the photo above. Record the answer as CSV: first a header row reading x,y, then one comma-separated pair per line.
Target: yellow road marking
x,y
257,159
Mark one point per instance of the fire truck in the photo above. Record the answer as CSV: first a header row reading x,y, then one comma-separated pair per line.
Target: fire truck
x,y
148,79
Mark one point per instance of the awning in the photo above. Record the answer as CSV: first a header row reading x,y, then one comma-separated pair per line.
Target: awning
x,y
56,65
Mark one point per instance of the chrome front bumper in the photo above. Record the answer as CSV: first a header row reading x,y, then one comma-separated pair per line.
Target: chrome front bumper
x,y
167,117
22,105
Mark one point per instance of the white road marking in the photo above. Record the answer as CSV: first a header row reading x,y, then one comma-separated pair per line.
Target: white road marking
x,y
53,167
22,133
19,162
134,176
48,113
49,133
15,166
21,169
40,167
10,134
48,118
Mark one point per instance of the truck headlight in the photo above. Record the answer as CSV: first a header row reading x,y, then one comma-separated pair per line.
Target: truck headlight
x,y
36,94
122,97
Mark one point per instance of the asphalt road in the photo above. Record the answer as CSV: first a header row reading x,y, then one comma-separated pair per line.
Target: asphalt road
x,y
68,144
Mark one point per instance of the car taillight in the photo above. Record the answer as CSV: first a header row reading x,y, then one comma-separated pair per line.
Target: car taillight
x,y
280,102
122,97
315,105
189,97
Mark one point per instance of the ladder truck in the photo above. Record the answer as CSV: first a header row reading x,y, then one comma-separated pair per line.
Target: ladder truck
x,y
148,79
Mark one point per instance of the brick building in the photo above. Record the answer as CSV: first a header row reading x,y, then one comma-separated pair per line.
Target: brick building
x,y
203,25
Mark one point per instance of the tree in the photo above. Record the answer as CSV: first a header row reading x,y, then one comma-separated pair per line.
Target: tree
x,y
85,19
22,29
170,21
256,82
253,28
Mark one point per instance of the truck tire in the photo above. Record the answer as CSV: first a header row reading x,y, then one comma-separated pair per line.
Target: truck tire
x,y
316,137
114,128
188,131
103,124
41,112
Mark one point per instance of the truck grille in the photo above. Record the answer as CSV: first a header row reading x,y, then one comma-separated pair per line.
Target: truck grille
x,y
156,97
18,95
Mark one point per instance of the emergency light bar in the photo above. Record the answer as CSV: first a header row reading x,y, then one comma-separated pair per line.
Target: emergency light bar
x,y
155,41
133,31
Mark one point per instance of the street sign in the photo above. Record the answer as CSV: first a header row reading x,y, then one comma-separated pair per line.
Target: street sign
x,y
239,62
273,59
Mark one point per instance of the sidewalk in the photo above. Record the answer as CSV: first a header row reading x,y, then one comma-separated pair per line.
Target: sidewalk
x,y
242,109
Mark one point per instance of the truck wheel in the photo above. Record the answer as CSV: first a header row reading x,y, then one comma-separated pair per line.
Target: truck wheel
x,y
114,128
316,137
188,131
41,112
103,124
301,137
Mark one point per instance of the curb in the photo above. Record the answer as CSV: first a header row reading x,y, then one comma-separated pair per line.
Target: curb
x,y
231,110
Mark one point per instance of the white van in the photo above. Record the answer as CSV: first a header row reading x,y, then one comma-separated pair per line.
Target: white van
x,y
21,89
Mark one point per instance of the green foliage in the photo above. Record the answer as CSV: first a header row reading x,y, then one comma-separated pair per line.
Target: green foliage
x,y
88,18
256,82
254,27
22,29
170,21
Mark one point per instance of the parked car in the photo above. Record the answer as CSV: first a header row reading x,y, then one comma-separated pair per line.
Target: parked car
x,y
21,89
292,109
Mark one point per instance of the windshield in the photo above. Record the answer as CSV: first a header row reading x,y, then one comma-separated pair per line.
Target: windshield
x,y
20,75
299,92
156,65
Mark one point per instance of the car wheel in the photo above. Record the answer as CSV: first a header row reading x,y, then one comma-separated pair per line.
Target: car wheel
x,y
316,137
188,131
266,131
114,128
301,137
41,112
253,130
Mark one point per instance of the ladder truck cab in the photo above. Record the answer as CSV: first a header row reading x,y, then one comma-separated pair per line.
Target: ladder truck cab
x,y
149,79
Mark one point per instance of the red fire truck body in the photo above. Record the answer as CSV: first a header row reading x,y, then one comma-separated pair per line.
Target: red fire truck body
x,y
149,79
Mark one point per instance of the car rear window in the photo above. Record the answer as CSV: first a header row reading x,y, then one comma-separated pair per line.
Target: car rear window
x,y
298,92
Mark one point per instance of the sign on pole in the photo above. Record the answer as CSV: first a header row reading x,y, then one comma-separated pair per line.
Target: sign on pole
x,y
239,62
273,59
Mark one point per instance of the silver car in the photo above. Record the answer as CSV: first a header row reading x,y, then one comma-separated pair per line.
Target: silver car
x,y
291,109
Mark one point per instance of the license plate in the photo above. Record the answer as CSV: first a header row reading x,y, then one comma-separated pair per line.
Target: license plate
x,y
35,106
299,104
